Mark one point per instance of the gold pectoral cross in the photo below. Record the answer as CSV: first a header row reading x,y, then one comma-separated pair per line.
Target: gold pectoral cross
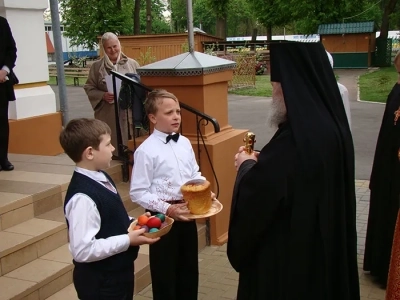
x,y
396,115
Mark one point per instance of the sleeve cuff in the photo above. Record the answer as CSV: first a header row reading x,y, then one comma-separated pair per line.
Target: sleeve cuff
x,y
126,243
5,68
165,208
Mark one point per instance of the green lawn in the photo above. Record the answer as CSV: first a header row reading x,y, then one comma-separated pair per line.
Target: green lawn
x,y
375,86
263,88
68,80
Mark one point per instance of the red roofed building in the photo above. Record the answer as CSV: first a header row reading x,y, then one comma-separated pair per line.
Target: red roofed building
x,y
50,48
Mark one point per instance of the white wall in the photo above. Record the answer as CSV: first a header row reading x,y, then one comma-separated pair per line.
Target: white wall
x,y
26,21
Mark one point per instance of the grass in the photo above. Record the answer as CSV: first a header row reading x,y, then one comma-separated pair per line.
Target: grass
x,y
375,86
68,81
263,88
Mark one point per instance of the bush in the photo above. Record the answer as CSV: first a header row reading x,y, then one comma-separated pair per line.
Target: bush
x,y
260,68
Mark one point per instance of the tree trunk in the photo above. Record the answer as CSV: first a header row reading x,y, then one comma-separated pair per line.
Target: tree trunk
x,y
254,39
221,28
389,9
148,16
269,32
136,17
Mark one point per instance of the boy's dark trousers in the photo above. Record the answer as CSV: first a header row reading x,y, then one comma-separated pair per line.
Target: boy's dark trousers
x,y
174,263
91,284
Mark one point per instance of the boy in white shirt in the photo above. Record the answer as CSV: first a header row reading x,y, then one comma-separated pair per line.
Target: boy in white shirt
x,y
102,249
162,164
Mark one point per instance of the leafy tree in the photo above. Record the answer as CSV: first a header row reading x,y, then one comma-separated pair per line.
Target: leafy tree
x,y
241,20
85,20
158,22
203,14
310,15
389,7
272,13
220,8
178,14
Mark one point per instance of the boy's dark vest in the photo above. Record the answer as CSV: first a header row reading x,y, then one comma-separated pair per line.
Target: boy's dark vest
x,y
114,220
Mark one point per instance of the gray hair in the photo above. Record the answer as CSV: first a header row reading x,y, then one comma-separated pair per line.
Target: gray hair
x,y
108,36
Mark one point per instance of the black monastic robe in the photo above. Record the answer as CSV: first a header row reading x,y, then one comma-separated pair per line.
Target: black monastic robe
x,y
292,232
385,191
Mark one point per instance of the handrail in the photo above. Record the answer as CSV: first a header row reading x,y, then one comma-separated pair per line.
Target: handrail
x,y
204,116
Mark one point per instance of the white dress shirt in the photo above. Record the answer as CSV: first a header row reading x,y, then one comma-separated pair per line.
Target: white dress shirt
x,y
84,223
160,169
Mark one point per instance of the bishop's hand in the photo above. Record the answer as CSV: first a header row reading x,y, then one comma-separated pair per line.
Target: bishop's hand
x,y
242,155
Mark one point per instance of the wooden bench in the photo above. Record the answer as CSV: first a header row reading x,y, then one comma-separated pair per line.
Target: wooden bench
x,y
75,73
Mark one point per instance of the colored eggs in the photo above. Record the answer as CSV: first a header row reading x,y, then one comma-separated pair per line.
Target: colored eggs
x,y
150,223
154,222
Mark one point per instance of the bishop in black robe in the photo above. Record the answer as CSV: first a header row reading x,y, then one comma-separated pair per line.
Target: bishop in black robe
x,y
292,231
385,190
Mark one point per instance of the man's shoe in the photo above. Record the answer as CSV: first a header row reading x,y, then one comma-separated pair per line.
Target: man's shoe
x,y
6,166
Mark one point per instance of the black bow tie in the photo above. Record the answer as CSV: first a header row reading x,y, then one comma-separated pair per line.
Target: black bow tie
x,y
174,137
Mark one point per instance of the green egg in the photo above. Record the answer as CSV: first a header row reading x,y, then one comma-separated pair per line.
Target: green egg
x,y
161,217
153,230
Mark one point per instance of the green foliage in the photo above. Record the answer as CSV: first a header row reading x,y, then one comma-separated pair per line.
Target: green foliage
x,y
185,47
306,16
241,20
146,58
204,15
273,12
84,20
159,24
219,7
210,49
178,16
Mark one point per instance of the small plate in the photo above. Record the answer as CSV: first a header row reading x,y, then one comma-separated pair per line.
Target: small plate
x,y
158,233
216,207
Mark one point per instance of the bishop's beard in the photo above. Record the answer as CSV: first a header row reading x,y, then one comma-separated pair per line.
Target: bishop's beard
x,y
277,113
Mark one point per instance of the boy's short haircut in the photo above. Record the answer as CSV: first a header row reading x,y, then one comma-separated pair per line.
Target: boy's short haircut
x,y
80,134
150,105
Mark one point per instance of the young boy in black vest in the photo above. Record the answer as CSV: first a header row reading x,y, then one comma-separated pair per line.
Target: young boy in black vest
x,y
162,164
102,249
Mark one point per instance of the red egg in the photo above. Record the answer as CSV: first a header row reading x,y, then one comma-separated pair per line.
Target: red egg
x,y
154,222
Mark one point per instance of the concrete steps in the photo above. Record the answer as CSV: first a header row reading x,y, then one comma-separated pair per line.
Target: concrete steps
x,y
35,262
40,278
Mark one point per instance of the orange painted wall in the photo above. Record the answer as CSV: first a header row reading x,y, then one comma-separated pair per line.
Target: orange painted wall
x,y
161,46
364,42
36,135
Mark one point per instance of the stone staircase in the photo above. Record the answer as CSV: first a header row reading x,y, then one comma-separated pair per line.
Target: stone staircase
x,y
35,262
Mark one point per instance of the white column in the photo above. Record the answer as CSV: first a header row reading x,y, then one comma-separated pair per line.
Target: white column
x,y
26,21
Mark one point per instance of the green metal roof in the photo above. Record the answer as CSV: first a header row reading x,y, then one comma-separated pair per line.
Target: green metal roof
x,y
342,28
